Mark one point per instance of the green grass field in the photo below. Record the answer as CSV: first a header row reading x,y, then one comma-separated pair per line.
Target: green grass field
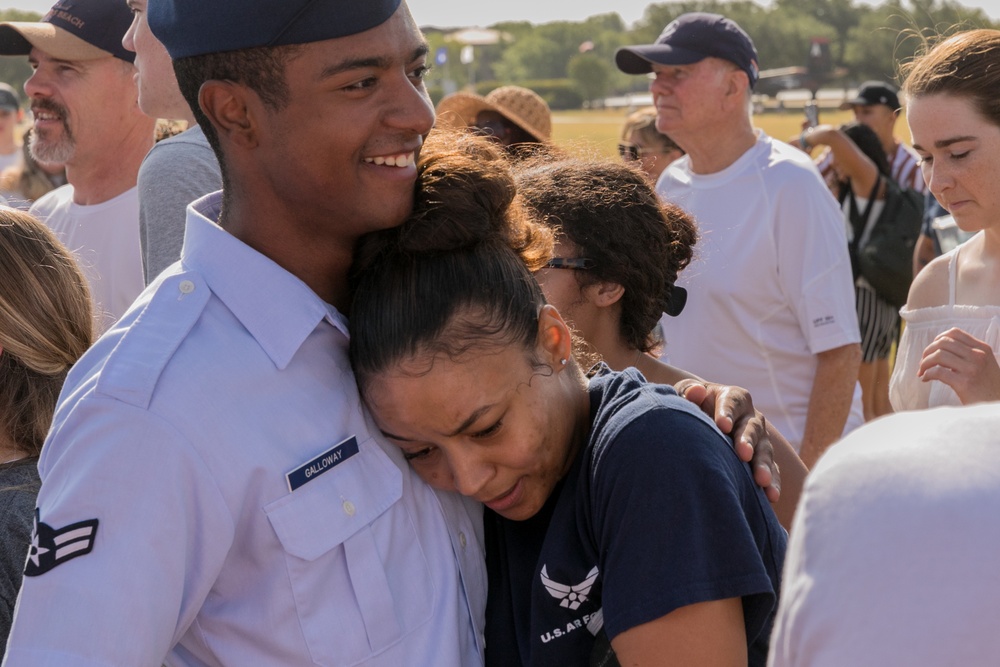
x,y
591,131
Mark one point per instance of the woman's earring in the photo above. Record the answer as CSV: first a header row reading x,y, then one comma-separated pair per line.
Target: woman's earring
x,y
564,361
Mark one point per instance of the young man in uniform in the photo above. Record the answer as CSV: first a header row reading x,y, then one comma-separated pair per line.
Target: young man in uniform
x,y
772,297
211,481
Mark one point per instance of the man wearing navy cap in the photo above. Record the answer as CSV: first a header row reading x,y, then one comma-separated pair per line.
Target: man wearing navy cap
x,y
213,492
771,299
83,97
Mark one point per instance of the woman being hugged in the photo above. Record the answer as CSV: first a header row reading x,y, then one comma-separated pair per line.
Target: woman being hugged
x,y
616,510
948,352
45,325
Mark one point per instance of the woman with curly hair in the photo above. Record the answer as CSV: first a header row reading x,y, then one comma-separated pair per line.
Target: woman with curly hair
x,y
618,249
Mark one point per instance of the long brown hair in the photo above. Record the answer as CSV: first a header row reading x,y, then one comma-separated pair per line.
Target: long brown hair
x,y
46,323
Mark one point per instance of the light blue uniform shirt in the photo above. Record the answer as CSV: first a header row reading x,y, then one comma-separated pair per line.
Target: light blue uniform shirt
x,y
182,432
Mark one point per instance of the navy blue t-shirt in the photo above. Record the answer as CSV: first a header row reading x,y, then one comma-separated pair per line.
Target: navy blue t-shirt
x,y
656,513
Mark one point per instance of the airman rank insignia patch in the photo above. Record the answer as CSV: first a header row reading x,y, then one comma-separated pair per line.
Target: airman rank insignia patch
x,y
51,547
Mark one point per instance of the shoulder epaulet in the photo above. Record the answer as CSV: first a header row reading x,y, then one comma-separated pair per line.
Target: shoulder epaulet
x,y
134,366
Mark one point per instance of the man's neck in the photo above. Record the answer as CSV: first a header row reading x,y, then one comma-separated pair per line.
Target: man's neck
x,y
321,263
711,152
890,145
113,171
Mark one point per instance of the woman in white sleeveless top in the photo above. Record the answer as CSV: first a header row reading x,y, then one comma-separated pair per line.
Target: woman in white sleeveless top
x,y
948,353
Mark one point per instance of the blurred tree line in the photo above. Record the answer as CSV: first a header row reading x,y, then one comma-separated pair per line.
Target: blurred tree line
x,y
570,63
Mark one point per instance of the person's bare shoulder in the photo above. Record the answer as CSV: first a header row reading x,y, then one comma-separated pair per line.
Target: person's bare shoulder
x,y
930,287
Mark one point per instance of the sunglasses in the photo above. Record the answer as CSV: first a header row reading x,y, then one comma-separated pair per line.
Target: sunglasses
x,y
581,263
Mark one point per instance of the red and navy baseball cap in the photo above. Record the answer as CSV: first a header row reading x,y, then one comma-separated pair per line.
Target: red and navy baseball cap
x,y
72,30
197,27
691,38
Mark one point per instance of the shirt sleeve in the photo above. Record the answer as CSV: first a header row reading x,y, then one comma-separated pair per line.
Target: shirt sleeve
x,y
171,177
673,509
135,532
814,268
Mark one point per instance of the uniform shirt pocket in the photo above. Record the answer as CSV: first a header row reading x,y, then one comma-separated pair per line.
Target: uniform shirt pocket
x,y
357,571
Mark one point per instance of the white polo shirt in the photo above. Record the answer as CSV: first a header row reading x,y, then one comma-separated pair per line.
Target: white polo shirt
x,y
214,493
770,286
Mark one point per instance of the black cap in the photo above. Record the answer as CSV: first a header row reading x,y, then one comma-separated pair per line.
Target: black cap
x,y
8,98
196,27
691,38
874,92
72,30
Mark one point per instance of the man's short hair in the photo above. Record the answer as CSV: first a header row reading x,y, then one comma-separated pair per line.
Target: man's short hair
x,y
261,69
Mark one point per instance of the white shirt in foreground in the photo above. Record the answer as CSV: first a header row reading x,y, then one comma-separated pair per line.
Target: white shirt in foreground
x,y
892,559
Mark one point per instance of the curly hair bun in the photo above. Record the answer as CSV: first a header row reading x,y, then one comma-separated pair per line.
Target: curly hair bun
x,y
466,197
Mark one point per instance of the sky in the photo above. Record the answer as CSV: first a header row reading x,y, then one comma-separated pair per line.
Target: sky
x,y
456,13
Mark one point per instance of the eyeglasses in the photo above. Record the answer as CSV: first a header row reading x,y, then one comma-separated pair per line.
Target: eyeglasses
x,y
581,263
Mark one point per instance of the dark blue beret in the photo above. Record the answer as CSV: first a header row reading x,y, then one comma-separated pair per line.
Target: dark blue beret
x,y
196,27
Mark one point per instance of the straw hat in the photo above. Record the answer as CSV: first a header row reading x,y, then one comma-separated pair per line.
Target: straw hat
x,y
523,107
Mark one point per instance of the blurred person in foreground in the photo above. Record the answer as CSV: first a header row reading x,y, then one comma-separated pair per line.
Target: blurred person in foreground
x,y
771,299
178,169
83,98
45,325
642,143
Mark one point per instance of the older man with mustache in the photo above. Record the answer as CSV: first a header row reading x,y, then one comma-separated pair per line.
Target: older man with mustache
x,y
84,100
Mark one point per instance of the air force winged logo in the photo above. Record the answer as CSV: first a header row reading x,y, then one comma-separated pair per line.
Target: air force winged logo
x,y
570,596
51,547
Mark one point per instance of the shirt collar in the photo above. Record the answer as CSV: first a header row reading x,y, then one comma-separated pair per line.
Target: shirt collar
x,y
276,307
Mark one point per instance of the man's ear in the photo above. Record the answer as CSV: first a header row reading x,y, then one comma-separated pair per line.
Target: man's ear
x,y
604,294
229,107
555,341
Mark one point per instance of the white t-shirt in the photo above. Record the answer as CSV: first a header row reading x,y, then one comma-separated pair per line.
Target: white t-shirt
x,y
892,559
771,284
105,239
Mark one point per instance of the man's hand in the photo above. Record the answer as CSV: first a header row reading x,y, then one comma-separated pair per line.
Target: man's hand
x,y
734,414
964,363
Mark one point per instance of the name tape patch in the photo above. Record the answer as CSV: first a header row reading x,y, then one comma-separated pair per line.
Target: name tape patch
x,y
325,462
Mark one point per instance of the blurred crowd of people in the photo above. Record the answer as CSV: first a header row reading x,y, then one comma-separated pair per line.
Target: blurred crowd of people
x,y
296,368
